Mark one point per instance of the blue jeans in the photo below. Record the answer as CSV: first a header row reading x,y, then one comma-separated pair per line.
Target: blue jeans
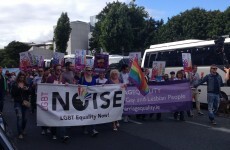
x,y
213,104
21,117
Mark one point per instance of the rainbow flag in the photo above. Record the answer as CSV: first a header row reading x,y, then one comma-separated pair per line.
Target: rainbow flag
x,y
137,77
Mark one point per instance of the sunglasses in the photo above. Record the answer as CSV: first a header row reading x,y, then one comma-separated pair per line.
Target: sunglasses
x,y
88,70
214,68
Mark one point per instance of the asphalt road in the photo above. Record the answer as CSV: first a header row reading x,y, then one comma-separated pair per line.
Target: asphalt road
x,y
194,134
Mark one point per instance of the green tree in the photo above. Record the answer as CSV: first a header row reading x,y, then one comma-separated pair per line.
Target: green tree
x,y
62,32
116,33
2,53
227,21
150,32
12,50
119,27
196,23
216,23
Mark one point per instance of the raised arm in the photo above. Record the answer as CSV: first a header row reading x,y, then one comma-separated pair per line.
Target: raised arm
x,y
201,81
227,74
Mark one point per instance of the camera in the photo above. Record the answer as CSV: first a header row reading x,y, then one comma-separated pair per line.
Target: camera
x,y
219,47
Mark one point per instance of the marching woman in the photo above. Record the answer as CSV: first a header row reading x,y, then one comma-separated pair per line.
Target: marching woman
x,y
20,93
88,80
114,79
179,76
101,79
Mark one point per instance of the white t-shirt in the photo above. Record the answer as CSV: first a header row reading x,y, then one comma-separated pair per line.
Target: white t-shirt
x,y
125,77
101,81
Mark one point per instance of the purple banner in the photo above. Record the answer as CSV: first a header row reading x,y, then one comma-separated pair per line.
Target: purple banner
x,y
175,96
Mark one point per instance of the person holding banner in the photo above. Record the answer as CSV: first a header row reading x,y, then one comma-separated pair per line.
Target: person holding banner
x,y
124,77
179,76
114,79
88,80
172,76
20,93
56,78
101,79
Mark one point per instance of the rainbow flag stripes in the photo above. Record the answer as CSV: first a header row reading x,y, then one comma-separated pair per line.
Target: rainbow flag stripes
x,y
136,76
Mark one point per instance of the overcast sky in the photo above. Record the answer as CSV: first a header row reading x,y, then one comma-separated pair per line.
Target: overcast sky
x,y
33,20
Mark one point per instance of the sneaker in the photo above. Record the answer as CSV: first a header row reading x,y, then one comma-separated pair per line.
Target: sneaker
x,y
20,136
213,122
54,137
65,139
48,131
200,113
43,132
94,133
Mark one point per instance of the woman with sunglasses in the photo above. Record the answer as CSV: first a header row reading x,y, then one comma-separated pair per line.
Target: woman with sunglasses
x,y
88,80
20,92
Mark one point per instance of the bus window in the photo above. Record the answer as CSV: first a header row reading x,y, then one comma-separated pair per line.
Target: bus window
x,y
151,59
146,63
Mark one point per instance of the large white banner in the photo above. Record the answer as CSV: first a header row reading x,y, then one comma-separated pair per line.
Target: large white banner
x,y
72,105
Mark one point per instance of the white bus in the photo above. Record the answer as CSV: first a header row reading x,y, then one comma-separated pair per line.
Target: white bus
x,y
203,54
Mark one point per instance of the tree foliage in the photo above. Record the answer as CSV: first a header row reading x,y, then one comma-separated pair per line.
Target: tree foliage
x,y
62,32
196,23
120,27
127,26
11,53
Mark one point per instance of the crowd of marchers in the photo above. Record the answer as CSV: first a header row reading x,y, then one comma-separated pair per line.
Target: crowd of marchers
x,y
23,87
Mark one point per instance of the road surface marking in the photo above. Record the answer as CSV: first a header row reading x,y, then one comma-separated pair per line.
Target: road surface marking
x,y
135,121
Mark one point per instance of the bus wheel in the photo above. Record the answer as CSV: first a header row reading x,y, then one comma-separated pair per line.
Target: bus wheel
x,y
224,106
224,96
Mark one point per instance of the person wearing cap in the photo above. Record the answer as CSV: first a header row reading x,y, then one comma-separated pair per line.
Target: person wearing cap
x,y
214,82
172,75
